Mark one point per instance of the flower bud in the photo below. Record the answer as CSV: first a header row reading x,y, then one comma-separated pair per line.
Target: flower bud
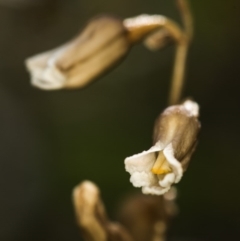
x,y
92,217
102,43
175,139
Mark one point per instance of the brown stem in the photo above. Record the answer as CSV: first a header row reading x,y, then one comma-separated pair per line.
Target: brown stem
x,y
178,73
187,17
158,31
181,53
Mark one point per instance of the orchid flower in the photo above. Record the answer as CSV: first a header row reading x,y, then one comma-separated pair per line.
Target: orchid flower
x,y
175,139
101,44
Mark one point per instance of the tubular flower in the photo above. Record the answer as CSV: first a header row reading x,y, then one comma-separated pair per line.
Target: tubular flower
x,y
101,44
175,139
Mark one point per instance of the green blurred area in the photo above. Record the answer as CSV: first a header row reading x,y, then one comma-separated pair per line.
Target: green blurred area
x,y
51,141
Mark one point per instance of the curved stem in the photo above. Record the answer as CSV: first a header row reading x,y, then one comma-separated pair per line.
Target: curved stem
x,y
156,29
186,16
141,26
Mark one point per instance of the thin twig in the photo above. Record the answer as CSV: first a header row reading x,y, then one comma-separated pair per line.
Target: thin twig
x,y
181,54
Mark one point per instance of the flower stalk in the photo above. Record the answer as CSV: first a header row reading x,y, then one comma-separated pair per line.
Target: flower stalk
x,y
181,53
158,32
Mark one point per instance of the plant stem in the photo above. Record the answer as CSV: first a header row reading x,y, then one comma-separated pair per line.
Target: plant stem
x,y
178,73
181,54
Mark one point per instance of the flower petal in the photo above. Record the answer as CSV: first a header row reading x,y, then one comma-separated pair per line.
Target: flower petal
x,y
141,179
143,161
44,73
192,107
174,163
155,190
168,180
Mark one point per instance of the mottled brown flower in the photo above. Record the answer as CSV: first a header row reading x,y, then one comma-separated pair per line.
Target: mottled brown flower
x,y
102,43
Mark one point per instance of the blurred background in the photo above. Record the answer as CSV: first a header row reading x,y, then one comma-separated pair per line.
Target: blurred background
x,y
51,141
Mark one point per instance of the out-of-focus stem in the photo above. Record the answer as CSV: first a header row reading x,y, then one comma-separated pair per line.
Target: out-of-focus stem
x,y
186,16
181,53
178,73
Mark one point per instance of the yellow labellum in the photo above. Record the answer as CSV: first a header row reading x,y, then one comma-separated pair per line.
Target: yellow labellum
x,y
161,166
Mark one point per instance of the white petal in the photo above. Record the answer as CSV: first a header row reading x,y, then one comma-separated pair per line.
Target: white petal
x,y
44,73
140,179
140,165
155,190
192,107
174,163
168,180
142,162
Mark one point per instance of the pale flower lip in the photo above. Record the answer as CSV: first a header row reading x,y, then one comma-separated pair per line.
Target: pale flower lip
x,y
175,136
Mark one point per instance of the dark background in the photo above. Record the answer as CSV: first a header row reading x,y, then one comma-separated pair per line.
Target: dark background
x,y
50,141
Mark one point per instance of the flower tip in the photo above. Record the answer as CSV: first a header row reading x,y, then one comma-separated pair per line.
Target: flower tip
x,y
192,107
45,76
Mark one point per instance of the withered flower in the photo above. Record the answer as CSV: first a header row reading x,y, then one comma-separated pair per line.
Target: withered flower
x,y
175,139
92,217
102,43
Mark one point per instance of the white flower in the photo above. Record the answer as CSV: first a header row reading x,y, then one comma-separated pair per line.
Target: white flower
x,y
175,138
